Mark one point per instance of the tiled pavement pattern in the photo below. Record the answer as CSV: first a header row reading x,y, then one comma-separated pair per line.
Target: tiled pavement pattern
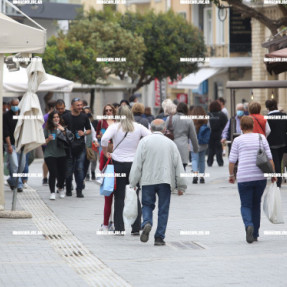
x,y
222,258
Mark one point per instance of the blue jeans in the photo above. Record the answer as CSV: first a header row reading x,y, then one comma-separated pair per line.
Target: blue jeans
x,y
13,163
26,169
198,161
148,204
250,195
75,164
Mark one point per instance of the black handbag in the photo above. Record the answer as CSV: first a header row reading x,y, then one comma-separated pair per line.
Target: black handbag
x,y
66,138
77,145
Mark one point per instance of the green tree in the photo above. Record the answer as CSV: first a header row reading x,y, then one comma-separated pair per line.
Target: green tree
x,y
109,39
72,60
168,37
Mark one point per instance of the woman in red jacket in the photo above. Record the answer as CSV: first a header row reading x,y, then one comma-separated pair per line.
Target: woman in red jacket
x,y
260,125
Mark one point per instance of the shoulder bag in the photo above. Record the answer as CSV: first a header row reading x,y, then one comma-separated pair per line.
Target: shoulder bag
x,y
169,131
262,160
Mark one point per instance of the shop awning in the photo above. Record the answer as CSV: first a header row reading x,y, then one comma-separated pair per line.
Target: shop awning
x,y
276,62
19,38
18,82
192,81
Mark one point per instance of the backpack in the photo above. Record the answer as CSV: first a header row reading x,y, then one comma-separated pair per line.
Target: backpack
x,y
203,135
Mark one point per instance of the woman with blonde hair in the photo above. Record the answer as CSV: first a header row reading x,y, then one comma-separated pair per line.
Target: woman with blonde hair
x,y
126,135
138,111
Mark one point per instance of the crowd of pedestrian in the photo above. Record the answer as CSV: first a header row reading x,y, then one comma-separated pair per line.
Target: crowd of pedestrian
x,y
152,152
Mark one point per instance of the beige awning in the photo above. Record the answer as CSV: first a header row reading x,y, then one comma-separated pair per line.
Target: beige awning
x,y
19,38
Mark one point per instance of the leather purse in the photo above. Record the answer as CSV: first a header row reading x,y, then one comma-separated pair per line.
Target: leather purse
x,y
262,160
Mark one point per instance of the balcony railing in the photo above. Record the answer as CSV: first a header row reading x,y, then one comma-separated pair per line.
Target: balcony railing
x,y
225,50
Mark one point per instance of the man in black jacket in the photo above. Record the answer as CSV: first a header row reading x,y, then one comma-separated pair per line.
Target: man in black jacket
x,y
9,125
277,138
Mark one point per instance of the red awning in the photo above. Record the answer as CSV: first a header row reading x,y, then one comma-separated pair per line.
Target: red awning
x,y
276,62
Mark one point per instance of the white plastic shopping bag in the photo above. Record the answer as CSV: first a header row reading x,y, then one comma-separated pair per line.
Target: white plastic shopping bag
x,y
130,212
272,204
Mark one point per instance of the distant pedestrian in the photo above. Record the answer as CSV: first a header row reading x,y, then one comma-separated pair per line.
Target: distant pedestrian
x,y
147,114
226,133
221,101
169,108
91,140
55,154
250,179
108,224
155,154
61,108
108,111
183,130
217,122
124,103
132,100
126,136
203,135
138,111
260,124
277,138
14,164
51,107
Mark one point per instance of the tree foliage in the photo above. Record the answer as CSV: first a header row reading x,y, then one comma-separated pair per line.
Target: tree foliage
x,y
151,43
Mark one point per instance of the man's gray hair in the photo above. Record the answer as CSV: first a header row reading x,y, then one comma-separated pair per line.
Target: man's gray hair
x,y
157,127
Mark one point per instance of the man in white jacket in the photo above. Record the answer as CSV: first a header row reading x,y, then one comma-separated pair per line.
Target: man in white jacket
x,y
157,166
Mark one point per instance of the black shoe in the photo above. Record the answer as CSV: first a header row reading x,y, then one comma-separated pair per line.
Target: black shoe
x,y
249,234
87,177
159,241
93,176
145,233
69,193
195,179
45,181
80,194
202,180
135,233
11,186
19,189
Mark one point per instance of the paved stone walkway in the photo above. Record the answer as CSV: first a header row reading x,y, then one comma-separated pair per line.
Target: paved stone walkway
x,y
220,257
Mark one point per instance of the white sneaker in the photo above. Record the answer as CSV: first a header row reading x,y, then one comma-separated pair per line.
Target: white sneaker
x,y
53,196
25,185
103,228
62,193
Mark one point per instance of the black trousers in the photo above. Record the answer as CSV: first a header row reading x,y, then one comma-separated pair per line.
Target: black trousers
x,y
277,155
86,166
215,148
57,170
119,197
